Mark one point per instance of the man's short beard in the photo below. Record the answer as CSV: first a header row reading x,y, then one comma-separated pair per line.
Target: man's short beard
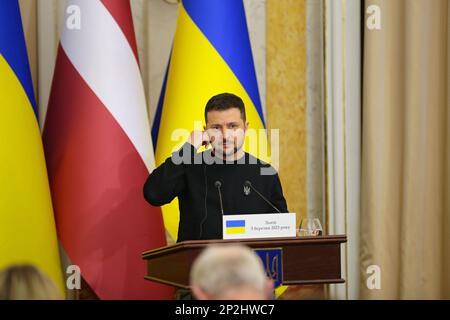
x,y
234,151
222,153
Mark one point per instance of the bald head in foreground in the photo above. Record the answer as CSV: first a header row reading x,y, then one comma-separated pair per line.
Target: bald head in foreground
x,y
230,272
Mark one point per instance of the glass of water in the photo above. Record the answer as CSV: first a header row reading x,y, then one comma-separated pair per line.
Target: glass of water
x,y
309,227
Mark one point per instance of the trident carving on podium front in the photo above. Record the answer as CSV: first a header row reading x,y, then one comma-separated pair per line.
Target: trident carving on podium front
x,y
272,269
272,261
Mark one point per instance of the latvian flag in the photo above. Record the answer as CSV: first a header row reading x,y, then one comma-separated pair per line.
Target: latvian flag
x,y
99,151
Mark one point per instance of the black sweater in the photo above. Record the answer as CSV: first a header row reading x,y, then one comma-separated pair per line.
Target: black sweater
x,y
193,182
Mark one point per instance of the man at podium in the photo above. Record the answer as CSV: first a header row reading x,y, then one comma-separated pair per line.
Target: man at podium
x,y
222,180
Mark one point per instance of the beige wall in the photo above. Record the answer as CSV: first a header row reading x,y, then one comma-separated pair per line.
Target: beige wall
x,y
286,97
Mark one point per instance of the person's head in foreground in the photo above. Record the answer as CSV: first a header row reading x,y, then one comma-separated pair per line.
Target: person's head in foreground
x,y
230,272
26,282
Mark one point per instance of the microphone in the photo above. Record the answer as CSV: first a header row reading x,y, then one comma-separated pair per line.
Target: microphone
x,y
248,184
218,184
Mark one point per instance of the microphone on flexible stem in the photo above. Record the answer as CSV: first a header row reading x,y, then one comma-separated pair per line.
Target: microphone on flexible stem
x,y
218,184
249,185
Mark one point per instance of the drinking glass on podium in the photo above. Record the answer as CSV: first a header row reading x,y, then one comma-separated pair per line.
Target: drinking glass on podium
x,y
309,227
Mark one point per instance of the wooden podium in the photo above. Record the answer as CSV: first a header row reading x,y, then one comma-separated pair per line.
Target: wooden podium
x,y
304,260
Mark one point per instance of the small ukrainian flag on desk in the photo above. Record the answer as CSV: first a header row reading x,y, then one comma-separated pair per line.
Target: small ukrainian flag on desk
x,y
236,227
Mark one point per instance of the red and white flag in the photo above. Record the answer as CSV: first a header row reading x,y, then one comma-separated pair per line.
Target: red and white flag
x,y
99,152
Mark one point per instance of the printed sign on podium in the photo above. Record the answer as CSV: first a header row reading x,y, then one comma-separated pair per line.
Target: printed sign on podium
x,y
265,225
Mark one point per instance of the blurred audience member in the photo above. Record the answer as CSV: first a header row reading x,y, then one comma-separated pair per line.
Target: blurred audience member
x,y
26,282
226,272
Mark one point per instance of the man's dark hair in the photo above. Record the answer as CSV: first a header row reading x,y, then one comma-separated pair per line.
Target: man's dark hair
x,y
225,101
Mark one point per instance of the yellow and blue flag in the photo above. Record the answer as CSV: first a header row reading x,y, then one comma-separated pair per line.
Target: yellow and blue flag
x,y
27,226
211,54
235,226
